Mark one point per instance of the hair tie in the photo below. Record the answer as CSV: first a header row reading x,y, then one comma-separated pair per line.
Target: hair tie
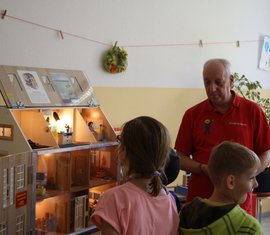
x,y
156,174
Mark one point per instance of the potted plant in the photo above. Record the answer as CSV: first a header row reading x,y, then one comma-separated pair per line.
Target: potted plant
x,y
251,90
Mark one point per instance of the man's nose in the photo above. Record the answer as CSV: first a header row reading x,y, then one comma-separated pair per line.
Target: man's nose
x,y
212,87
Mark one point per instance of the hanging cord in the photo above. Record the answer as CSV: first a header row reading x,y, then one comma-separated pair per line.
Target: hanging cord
x,y
200,43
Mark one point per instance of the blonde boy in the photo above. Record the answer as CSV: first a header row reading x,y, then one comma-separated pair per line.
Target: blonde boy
x,y
232,169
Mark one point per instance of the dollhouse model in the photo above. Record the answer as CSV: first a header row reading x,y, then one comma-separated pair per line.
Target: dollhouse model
x,y
54,164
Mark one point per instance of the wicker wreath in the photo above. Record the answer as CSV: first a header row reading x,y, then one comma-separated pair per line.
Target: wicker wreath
x,y
115,60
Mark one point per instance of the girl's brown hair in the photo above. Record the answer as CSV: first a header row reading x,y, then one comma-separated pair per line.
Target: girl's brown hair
x,y
145,143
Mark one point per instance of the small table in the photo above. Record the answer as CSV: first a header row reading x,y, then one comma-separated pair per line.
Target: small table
x,y
259,197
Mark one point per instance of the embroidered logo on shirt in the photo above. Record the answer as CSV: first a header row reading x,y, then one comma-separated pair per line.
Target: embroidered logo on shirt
x,y
207,125
237,123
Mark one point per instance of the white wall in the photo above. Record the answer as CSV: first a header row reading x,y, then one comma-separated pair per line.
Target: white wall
x,y
137,22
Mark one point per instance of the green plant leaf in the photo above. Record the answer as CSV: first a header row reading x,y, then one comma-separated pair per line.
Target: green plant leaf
x,y
250,90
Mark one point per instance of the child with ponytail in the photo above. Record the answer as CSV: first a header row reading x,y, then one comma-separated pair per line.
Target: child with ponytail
x,y
142,205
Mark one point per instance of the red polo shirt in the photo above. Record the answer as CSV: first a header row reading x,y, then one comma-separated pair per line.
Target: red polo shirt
x,y
203,127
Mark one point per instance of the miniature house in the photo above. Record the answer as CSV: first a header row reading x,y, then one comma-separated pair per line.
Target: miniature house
x,y
54,132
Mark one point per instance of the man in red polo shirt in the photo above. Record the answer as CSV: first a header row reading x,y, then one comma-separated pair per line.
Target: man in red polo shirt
x,y
223,116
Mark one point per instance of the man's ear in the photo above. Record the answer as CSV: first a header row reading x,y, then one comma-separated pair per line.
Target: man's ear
x,y
231,80
230,181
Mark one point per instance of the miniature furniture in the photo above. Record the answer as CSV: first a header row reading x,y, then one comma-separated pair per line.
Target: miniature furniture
x,y
45,112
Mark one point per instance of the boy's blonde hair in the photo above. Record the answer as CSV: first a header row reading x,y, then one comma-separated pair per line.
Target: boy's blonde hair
x,y
230,158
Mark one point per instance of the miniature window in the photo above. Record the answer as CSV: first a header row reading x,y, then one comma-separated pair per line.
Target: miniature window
x,y
8,187
6,132
11,186
20,225
3,228
5,187
20,176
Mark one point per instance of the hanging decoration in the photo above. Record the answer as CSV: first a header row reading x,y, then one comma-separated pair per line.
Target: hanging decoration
x,y
115,60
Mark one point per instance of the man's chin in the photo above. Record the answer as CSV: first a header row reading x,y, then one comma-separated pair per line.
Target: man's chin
x,y
216,102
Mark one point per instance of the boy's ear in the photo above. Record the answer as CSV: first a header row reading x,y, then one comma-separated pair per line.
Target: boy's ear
x,y
230,181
